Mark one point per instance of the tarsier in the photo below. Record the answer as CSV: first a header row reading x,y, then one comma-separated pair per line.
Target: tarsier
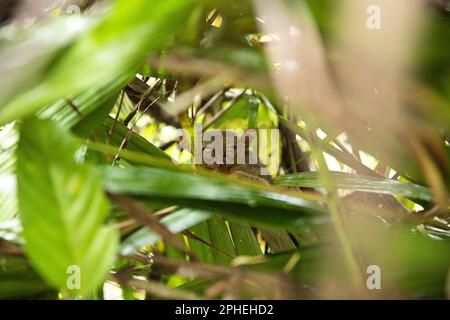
x,y
236,158
249,167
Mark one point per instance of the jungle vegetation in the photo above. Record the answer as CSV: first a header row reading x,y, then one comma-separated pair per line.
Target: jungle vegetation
x,y
99,200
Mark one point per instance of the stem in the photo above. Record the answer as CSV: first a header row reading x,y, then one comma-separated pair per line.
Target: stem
x,y
336,213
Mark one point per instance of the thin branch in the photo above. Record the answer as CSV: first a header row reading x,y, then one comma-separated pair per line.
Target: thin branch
x,y
432,175
344,149
75,108
260,281
11,249
158,289
212,17
223,111
127,137
144,97
212,101
338,154
336,213
192,236
146,218
116,118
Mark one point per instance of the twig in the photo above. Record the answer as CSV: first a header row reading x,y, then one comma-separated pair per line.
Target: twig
x,y
75,108
344,149
336,212
158,289
211,101
144,97
223,111
136,88
338,154
297,161
192,236
146,218
127,137
432,175
116,118
212,17
260,280
11,249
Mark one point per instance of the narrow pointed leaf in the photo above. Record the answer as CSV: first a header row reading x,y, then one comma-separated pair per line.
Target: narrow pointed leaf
x,y
357,182
272,208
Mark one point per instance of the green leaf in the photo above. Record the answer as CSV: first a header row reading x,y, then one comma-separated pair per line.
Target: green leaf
x,y
93,104
219,195
253,112
135,143
278,240
203,252
239,111
113,47
32,51
90,123
358,182
244,239
221,239
175,222
62,209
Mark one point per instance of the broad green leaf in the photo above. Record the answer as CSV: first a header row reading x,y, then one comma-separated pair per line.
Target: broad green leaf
x,y
220,195
244,239
62,209
113,47
94,105
278,240
32,52
357,182
203,252
221,239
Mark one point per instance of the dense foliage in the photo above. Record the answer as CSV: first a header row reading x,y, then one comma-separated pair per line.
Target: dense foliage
x,y
101,198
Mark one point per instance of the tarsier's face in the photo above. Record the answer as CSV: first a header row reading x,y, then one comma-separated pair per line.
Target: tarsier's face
x,y
228,152
223,150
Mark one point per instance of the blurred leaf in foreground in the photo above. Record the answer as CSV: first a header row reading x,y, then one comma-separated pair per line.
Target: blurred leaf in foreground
x,y
62,208
114,47
264,207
